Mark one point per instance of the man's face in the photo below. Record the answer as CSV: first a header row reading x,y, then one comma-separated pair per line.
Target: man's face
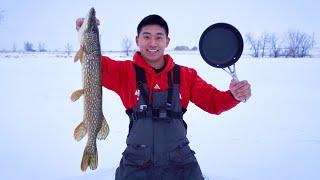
x,y
152,41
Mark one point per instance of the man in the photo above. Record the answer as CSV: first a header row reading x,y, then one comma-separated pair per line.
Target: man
x,y
156,92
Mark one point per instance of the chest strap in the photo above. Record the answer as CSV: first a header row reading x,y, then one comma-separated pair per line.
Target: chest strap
x,y
173,78
148,110
156,114
141,80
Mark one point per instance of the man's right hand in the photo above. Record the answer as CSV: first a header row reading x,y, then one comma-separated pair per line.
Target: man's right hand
x,y
80,21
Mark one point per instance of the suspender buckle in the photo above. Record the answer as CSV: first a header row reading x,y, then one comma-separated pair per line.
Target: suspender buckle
x,y
162,114
159,114
143,107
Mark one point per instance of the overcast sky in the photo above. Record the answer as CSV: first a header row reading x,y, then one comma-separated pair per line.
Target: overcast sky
x,y
53,22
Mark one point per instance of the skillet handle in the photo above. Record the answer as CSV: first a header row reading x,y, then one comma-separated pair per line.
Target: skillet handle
x,y
233,74
234,77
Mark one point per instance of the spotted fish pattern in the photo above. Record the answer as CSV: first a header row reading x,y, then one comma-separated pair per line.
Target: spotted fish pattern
x,y
94,123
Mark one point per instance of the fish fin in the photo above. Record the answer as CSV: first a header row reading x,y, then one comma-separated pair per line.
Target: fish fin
x,y
104,130
82,58
89,158
76,57
76,95
79,55
80,131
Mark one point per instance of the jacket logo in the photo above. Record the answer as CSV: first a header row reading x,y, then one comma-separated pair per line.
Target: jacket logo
x,y
137,93
156,87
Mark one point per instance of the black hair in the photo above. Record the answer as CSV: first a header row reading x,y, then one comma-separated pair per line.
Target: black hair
x,y
153,19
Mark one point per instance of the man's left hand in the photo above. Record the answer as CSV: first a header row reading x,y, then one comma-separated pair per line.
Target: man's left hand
x,y
241,90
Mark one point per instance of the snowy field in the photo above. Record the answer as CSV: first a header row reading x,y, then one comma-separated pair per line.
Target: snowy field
x,y
273,136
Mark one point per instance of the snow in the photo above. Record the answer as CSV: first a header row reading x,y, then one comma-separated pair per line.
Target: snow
x,y
273,136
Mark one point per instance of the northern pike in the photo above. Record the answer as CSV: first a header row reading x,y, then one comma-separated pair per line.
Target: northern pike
x,y
94,123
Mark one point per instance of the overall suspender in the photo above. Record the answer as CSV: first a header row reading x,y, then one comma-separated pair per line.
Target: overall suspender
x,y
173,78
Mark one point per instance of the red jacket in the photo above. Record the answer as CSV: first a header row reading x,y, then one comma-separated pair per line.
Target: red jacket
x,y
119,76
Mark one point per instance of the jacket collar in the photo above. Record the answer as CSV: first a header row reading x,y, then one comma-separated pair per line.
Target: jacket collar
x,y
138,60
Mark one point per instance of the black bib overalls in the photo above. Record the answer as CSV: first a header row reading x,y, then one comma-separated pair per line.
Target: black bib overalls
x,y
157,146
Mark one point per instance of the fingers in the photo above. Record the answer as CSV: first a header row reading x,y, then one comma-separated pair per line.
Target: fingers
x,y
240,90
239,84
80,21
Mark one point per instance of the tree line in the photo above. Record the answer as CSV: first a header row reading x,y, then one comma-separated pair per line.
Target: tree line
x,y
29,47
292,44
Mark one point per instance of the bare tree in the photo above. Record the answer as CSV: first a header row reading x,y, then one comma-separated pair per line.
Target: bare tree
x,y
126,45
28,47
264,39
299,44
41,47
254,44
14,47
68,49
307,44
275,46
293,40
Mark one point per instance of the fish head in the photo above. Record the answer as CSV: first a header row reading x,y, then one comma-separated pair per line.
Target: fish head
x,y
91,22
89,33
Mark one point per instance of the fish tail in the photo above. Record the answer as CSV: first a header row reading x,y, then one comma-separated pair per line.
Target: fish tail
x,y
89,158
80,131
104,130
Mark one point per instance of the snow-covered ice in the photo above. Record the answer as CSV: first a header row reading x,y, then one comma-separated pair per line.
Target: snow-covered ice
x,y
273,136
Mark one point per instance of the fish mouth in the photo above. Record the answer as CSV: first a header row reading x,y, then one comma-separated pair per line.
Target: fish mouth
x,y
92,18
89,25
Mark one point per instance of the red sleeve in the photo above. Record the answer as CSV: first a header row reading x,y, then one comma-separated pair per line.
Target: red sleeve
x,y
119,76
209,98
114,73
